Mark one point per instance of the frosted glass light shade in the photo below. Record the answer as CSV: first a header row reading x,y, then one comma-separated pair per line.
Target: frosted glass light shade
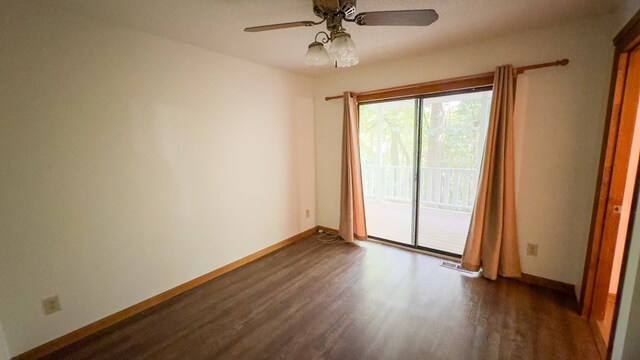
x,y
343,50
341,45
347,61
316,54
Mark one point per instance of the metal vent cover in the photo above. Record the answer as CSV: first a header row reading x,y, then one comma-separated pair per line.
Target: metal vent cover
x,y
456,267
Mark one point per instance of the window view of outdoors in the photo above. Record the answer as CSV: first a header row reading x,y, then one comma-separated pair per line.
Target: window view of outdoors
x,y
453,133
386,155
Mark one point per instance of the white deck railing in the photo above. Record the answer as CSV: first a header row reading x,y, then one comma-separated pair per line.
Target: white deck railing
x,y
440,188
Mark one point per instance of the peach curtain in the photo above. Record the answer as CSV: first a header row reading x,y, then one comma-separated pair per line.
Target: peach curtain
x,y
352,218
492,242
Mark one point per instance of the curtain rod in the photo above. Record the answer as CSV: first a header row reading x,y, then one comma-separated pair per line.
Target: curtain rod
x,y
517,71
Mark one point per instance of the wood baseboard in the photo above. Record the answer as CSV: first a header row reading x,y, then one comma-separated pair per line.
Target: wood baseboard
x,y
568,289
103,323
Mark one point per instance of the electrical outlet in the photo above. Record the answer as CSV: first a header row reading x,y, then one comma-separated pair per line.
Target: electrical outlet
x,y
51,305
307,213
532,249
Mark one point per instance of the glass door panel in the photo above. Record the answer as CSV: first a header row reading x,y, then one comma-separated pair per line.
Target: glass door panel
x,y
387,152
453,131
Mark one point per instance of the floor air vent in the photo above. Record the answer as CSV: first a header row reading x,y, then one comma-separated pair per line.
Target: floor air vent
x,y
457,267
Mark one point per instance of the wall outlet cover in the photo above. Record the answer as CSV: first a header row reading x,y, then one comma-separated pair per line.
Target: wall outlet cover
x,y
51,305
532,249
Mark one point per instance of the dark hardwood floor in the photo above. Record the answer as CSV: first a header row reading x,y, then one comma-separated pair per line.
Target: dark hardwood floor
x,y
349,301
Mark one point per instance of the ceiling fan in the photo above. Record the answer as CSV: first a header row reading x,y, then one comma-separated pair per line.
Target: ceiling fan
x,y
342,50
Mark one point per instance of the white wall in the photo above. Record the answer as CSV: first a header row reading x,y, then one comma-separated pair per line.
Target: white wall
x,y
560,114
130,164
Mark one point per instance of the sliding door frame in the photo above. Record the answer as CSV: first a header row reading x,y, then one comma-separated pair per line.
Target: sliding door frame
x,y
417,150
417,147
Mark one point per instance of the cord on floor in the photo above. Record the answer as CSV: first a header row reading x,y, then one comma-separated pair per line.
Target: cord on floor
x,y
329,238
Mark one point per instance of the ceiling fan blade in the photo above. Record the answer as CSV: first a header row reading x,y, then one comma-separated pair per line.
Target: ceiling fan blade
x,y
397,18
280,26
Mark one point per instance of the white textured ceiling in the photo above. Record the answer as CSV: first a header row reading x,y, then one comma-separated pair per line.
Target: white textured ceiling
x,y
218,24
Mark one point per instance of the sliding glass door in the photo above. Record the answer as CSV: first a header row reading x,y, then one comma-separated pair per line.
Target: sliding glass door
x,y
453,134
387,155
421,159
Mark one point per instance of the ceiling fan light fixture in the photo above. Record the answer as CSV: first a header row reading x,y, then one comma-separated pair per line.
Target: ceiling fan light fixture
x,y
316,54
342,50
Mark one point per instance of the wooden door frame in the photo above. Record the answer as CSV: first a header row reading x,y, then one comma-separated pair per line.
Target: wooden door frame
x,y
625,42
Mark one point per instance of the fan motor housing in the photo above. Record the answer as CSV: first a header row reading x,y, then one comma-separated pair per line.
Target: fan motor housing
x,y
323,7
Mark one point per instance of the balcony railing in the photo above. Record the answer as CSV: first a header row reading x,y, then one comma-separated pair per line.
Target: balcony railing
x,y
440,188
